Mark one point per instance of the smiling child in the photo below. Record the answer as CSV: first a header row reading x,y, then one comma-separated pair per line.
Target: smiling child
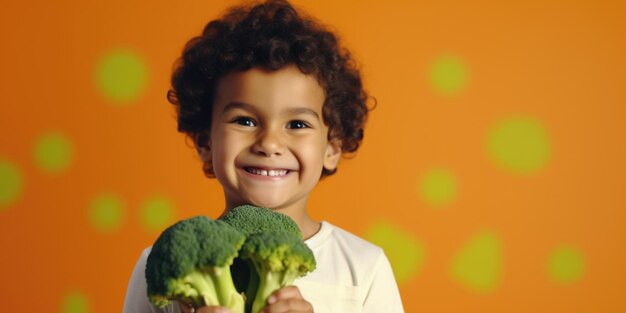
x,y
272,102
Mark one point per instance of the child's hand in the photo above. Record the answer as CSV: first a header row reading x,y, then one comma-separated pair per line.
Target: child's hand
x,y
184,308
287,300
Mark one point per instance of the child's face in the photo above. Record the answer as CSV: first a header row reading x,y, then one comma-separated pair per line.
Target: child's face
x,y
268,142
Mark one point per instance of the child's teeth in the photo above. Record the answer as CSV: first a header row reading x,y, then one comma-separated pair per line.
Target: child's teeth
x,y
268,173
277,172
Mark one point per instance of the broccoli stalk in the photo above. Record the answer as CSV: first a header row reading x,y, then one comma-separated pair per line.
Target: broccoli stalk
x,y
190,262
212,285
278,259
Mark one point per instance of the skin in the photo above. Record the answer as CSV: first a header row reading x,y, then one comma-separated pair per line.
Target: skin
x,y
286,300
271,120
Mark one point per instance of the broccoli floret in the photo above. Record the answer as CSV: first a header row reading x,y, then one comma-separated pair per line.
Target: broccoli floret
x,y
252,220
190,262
278,258
249,219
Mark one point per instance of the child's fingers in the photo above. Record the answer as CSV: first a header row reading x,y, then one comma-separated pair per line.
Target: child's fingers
x,y
285,293
288,299
289,305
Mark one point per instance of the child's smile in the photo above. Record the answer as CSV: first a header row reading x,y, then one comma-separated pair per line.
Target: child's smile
x,y
269,173
268,141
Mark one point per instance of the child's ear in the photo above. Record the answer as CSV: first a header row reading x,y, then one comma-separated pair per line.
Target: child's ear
x,y
332,154
203,146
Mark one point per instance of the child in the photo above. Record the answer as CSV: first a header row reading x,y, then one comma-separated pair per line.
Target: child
x,y
272,102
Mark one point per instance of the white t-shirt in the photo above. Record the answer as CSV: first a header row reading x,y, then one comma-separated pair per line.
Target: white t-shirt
x,y
352,276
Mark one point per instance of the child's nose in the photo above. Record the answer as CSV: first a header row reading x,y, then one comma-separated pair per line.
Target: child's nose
x,y
269,144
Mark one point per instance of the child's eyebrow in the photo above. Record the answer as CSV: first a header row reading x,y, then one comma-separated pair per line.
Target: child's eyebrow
x,y
290,111
238,105
301,110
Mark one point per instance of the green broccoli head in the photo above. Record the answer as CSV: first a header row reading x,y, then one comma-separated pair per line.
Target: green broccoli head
x,y
278,258
190,262
250,220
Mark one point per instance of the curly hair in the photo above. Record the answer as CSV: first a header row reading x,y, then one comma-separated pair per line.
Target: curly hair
x,y
269,35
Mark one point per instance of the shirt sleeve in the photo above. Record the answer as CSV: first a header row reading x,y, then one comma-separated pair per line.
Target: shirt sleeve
x,y
383,294
136,300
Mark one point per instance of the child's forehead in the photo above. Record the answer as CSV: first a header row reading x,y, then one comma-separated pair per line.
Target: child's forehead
x,y
257,86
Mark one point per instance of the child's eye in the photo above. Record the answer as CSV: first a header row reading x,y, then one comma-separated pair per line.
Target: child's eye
x,y
297,124
244,121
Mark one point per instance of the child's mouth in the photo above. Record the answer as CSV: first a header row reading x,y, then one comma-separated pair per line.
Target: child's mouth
x,y
264,172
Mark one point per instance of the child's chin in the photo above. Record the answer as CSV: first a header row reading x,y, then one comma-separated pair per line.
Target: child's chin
x,y
265,203
268,205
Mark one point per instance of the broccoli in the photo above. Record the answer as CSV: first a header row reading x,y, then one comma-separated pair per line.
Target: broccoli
x,y
250,219
190,262
201,262
281,230
278,258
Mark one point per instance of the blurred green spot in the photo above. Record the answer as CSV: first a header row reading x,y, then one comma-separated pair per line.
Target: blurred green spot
x,y
438,187
448,75
566,264
54,153
405,254
121,75
157,213
106,212
75,302
11,183
519,144
478,265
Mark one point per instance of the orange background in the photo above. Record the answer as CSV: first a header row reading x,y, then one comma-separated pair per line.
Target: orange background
x,y
560,61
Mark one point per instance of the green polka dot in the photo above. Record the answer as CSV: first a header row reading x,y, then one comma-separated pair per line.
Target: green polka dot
x,y
121,75
478,265
519,144
157,213
405,254
54,153
448,75
566,265
106,212
438,187
11,183
75,302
